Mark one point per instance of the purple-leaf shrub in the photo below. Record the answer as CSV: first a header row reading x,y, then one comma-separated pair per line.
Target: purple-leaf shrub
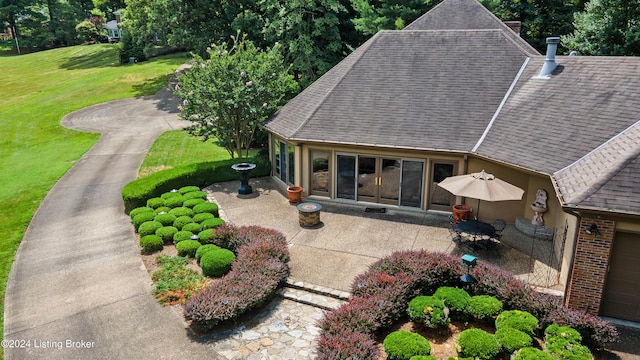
x,y
259,269
380,298
347,345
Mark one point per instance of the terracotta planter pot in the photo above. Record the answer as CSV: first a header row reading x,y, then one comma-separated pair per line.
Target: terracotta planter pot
x,y
460,212
295,194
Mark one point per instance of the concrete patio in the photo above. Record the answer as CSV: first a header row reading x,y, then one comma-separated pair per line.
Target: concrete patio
x,y
348,239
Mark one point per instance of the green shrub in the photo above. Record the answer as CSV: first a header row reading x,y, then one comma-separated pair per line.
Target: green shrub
x,y
187,189
206,207
170,194
203,249
428,310
142,218
151,243
190,203
530,353
196,195
564,342
199,218
181,211
174,201
477,344
422,357
181,221
517,319
193,227
456,299
139,210
167,233
181,236
165,219
205,236
216,263
162,209
187,248
211,223
155,203
402,345
555,332
512,339
484,307
149,228
136,193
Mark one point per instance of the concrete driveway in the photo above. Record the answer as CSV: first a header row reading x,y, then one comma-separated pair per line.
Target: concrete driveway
x,y
78,288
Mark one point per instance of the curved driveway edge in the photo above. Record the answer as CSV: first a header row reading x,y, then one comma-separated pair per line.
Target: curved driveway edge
x,y
78,287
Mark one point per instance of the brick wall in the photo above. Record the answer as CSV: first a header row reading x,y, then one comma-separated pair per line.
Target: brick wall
x,y
590,264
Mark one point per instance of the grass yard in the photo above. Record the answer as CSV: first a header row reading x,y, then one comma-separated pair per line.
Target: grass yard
x,y
37,90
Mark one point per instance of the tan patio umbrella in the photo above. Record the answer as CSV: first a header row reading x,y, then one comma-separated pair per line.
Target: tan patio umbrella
x,y
481,186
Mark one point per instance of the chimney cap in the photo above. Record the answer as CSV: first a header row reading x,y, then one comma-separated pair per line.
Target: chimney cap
x,y
553,40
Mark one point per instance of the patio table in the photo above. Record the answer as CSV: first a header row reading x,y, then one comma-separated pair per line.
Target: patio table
x,y
475,229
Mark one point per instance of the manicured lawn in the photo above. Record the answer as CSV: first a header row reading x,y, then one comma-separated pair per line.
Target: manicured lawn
x,y
35,151
176,148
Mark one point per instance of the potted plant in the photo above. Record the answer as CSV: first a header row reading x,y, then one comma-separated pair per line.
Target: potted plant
x,y
295,194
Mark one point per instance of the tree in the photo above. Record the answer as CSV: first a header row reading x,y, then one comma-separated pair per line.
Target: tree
x,y
376,15
228,95
310,33
606,27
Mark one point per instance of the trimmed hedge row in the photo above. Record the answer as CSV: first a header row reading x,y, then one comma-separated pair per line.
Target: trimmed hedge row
x,y
381,296
136,193
259,269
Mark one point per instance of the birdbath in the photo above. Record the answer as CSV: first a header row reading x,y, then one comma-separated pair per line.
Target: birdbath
x,y
243,169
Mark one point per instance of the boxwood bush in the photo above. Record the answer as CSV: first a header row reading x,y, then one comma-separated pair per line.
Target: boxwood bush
x,y
181,211
167,233
169,194
196,195
429,311
151,243
139,210
376,299
563,342
531,353
187,248
211,223
518,319
182,236
259,269
165,219
203,249
155,203
485,307
402,345
149,228
206,207
199,218
142,218
190,203
512,339
189,188
456,299
136,193
173,201
216,263
477,344
193,227
181,221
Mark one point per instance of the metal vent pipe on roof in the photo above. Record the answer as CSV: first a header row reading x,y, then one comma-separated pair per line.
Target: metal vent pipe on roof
x,y
550,61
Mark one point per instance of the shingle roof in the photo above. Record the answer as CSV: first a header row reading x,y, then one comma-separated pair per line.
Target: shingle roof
x,y
607,177
433,86
411,89
465,15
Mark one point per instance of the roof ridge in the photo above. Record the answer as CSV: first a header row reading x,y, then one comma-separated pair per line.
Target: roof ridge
x,y
580,179
362,49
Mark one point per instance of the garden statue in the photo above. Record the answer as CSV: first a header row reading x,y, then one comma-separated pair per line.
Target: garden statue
x,y
539,207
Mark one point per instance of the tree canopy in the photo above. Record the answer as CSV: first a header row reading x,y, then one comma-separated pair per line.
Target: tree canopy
x,y
228,95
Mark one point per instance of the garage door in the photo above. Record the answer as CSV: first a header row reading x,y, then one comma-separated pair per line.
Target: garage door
x,y
622,291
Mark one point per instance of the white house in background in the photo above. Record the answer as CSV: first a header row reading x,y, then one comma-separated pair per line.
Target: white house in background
x,y
114,32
